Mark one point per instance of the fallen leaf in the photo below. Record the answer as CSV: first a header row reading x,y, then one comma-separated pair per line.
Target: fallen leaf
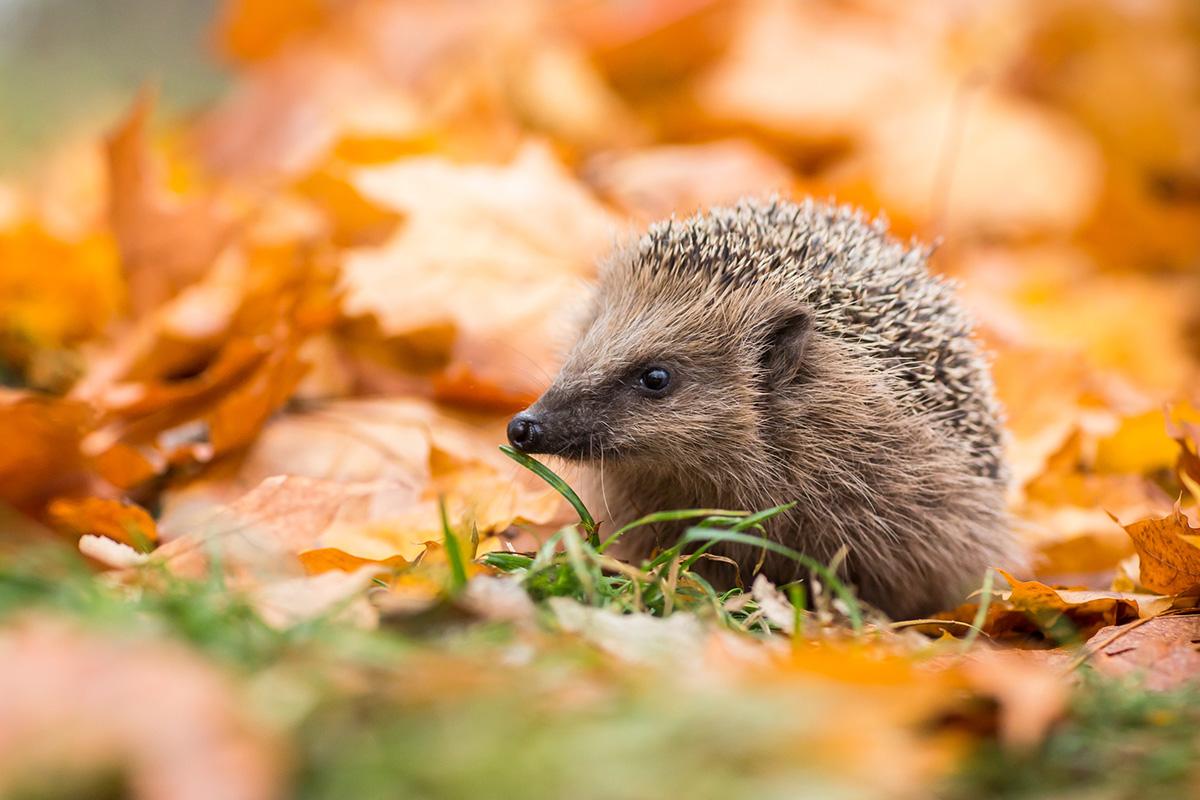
x,y
334,595
250,30
499,252
166,241
55,292
412,451
1169,549
41,456
1162,652
258,537
982,194
326,559
636,638
1141,444
121,521
1034,614
812,74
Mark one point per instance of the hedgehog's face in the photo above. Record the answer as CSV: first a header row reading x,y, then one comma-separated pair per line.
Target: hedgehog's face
x,y
665,386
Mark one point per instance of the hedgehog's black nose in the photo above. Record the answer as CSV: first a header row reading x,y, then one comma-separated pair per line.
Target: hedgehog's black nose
x,y
524,432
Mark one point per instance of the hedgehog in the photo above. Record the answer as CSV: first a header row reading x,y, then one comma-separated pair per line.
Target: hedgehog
x,y
776,352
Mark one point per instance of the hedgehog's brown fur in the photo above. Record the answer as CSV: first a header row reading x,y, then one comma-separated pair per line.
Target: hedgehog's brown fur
x,y
813,359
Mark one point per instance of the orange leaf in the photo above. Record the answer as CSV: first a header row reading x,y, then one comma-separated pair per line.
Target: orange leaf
x,y
1169,549
353,219
325,559
166,241
119,520
250,30
41,446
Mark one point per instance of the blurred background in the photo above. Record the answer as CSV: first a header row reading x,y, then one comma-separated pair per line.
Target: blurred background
x,y
67,66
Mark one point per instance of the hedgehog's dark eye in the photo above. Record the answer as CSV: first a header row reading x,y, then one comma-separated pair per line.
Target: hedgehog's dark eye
x,y
654,381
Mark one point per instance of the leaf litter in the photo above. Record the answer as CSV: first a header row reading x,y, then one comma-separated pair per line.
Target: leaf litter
x,y
257,364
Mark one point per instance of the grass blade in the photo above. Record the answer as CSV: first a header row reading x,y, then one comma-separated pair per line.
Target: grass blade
x,y
576,559
560,486
839,588
673,516
507,562
762,516
458,570
797,594
985,600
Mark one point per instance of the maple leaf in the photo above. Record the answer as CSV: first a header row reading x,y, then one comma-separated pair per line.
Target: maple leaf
x,y
166,241
1169,551
497,252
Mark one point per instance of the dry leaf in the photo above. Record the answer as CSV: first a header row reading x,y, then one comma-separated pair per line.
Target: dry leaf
x,y
54,292
326,559
1031,612
814,74
1162,652
121,521
496,251
410,449
41,456
166,241
1169,549
334,595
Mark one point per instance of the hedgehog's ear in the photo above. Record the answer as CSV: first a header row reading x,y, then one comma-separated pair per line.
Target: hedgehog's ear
x,y
786,342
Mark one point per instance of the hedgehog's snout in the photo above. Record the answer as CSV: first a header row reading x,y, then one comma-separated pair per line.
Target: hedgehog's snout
x,y
525,432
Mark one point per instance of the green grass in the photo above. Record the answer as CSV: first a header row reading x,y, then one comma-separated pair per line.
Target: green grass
x,y
573,562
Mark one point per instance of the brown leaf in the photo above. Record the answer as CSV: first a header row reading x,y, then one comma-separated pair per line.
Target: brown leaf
x,y
1162,652
257,539
983,196
354,221
199,378
812,73
1032,613
334,594
166,241
1169,550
